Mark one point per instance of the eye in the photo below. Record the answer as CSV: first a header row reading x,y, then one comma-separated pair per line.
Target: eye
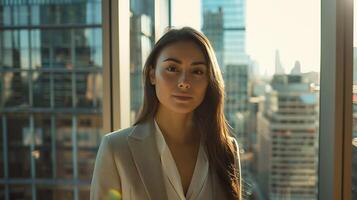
x,y
198,72
171,69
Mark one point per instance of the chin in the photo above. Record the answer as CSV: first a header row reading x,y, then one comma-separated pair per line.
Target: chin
x,y
181,109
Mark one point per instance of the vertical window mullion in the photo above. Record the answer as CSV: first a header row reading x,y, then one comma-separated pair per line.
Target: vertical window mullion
x,y
107,68
348,109
333,116
5,155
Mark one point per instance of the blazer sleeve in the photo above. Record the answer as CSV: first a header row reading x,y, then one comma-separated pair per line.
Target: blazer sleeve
x,y
238,166
105,176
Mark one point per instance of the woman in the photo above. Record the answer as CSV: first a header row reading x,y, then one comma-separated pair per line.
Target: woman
x,y
180,146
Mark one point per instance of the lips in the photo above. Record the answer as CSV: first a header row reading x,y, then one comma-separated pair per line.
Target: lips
x,y
182,97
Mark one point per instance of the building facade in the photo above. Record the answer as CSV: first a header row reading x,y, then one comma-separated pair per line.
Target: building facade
x,y
51,97
288,139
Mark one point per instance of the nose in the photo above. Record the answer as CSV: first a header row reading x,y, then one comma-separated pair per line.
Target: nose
x,y
183,82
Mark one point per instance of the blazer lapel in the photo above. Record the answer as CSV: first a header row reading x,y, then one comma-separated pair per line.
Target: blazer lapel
x,y
143,146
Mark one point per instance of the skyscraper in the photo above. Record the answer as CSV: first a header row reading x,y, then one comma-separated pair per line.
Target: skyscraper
x,y
278,65
224,25
51,97
288,139
213,29
229,15
236,80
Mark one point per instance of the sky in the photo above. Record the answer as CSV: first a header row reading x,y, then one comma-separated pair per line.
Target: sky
x,y
290,26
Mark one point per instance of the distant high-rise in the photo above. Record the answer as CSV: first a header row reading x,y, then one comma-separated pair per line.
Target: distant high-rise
x,y
229,15
278,66
297,68
288,139
224,25
213,29
236,79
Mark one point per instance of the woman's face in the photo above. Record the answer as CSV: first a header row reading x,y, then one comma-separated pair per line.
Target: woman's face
x,y
180,77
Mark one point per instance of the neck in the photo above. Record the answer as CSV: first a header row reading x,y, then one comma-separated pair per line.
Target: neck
x,y
177,128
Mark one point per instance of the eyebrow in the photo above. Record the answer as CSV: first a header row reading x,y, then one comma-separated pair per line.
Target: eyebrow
x,y
179,62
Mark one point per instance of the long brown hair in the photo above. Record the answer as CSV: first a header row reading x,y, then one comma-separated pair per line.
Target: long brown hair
x,y
208,116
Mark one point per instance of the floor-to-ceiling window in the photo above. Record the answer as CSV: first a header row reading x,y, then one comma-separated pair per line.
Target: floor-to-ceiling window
x,y
270,57
51,88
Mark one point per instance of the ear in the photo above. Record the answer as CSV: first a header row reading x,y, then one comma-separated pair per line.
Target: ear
x,y
152,75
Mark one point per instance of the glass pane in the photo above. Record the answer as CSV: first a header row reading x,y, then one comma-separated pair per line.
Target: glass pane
x,y
2,192
84,193
54,192
15,86
19,141
42,83
20,192
64,146
43,152
89,89
88,138
51,89
62,89
272,90
141,41
354,105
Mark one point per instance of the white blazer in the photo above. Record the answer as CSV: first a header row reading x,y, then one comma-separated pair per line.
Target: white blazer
x,y
128,161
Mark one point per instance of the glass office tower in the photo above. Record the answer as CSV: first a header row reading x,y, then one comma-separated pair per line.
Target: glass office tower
x,y
223,22
50,97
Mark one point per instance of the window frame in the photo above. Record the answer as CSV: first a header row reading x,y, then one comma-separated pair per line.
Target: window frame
x,y
335,131
116,58
335,140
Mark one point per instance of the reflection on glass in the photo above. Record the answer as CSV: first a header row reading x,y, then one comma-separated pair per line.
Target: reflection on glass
x,y
88,138
64,162
42,86
63,89
15,89
83,194
141,42
2,192
50,74
19,142
89,89
20,192
43,139
51,192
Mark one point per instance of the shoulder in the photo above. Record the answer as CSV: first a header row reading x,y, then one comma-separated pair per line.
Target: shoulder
x,y
118,137
236,148
234,141
121,133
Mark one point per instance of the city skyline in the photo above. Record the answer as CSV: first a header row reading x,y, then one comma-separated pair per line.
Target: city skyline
x,y
296,35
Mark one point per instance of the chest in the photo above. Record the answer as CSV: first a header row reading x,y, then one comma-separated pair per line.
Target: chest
x,y
185,159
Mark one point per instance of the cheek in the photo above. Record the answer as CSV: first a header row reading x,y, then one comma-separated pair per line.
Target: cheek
x,y
201,90
165,80
164,84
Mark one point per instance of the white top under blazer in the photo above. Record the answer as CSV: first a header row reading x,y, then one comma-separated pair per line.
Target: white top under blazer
x,y
200,186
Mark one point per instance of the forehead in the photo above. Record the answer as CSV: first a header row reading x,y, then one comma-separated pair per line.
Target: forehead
x,y
182,50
